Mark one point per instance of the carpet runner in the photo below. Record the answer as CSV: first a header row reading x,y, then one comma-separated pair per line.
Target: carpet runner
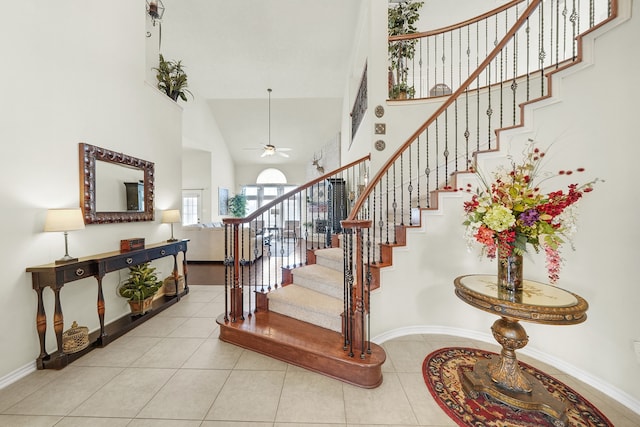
x,y
443,368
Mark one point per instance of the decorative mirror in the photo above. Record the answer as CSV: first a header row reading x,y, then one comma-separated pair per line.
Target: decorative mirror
x,y
114,187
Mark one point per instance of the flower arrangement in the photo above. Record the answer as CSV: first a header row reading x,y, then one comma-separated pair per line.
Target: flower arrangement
x,y
511,212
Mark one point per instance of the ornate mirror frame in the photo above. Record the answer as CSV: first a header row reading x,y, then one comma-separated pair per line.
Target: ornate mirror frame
x,y
89,154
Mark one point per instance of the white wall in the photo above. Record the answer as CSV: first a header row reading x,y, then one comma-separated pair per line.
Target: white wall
x,y
201,132
196,175
591,123
76,74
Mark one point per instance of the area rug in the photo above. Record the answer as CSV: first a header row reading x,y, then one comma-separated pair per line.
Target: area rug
x,y
442,372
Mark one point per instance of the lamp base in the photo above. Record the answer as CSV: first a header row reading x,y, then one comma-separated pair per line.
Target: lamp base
x,y
172,240
65,259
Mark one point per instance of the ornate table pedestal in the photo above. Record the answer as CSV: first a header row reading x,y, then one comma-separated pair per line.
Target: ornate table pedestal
x,y
501,377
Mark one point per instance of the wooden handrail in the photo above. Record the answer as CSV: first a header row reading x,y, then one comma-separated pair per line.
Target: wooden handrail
x,y
454,26
265,208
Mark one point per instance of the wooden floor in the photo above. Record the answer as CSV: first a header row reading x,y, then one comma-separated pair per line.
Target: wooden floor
x,y
305,345
264,271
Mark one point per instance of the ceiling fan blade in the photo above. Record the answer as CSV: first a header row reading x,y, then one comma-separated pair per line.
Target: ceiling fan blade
x,y
285,149
264,154
282,154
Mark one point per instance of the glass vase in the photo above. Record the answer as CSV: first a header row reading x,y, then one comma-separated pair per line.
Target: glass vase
x,y
510,272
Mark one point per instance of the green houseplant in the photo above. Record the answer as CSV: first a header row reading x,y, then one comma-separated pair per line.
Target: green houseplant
x,y
172,79
140,287
401,20
238,205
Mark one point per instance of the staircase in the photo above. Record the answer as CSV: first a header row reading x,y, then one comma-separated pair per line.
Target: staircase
x,y
303,325
318,315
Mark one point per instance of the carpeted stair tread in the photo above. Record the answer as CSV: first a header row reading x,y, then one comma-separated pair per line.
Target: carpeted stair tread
x,y
307,305
331,257
320,279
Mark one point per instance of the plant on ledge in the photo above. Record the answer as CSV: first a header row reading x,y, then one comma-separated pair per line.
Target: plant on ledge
x,y
140,287
172,79
507,214
402,91
401,20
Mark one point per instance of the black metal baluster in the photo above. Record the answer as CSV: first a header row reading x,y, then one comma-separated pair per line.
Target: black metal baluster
x,y
445,153
401,189
427,172
437,150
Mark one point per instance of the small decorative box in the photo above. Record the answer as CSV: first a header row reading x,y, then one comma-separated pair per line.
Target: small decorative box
x,y
131,244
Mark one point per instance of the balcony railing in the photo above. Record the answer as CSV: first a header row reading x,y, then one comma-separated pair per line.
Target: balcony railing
x,y
444,58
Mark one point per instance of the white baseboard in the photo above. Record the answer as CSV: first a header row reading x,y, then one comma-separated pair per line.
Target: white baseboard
x,y
19,373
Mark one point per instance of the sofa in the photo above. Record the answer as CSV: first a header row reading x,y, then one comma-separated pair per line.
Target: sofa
x,y
206,242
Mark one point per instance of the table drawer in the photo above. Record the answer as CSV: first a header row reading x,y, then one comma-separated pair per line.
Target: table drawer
x,y
80,271
156,253
126,260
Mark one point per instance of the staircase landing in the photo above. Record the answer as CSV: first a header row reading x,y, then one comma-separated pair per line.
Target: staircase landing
x,y
303,344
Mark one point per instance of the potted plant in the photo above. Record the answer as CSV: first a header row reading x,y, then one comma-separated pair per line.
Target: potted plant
x,y
238,205
172,79
402,91
140,287
401,20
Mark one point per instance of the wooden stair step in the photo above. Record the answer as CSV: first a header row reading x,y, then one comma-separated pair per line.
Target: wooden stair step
x,y
305,345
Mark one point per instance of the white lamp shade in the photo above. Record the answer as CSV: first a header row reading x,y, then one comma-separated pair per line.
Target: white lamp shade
x,y
64,220
170,216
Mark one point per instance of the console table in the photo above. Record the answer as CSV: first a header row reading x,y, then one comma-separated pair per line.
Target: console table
x,y
501,377
55,276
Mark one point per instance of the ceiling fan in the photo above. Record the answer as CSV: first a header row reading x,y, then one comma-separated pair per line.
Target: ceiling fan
x,y
270,149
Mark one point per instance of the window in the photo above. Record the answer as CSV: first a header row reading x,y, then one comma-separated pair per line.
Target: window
x,y
191,206
259,195
271,184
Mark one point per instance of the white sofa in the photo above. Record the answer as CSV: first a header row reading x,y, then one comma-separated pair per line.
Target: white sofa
x,y
206,243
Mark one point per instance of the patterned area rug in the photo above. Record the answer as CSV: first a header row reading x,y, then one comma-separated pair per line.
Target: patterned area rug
x,y
442,372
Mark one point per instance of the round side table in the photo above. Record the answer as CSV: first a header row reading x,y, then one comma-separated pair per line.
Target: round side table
x,y
501,377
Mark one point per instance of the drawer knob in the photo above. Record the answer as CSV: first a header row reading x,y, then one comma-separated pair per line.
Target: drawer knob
x,y
80,272
162,252
129,260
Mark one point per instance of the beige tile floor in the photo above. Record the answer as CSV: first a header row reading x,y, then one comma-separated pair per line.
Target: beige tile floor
x,y
173,371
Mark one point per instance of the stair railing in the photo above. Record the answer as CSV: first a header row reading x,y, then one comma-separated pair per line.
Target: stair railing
x,y
544,38
262,248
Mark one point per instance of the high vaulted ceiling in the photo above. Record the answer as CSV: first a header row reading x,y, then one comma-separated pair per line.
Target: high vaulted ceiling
x,y
234,51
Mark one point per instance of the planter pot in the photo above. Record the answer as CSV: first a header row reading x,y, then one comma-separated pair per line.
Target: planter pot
x,y
140,307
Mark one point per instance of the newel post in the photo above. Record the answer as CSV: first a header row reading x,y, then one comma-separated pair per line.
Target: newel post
x,y
233,290
356,286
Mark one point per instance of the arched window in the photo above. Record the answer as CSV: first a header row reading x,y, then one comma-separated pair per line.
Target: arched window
x,y
271,176
270,184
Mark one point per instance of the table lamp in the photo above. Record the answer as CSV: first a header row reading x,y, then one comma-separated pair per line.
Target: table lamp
x,y
64,220
171,216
